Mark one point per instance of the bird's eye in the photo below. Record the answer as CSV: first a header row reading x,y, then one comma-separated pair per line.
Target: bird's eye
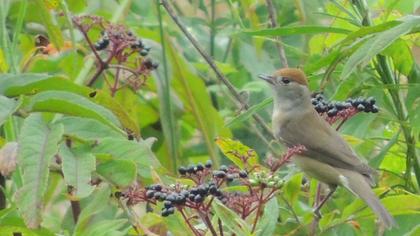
x,y
285,80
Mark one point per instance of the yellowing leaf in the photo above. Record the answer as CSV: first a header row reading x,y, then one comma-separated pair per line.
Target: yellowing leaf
x,y
237,152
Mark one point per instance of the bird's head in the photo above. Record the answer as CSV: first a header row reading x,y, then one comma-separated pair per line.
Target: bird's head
x,y
289,85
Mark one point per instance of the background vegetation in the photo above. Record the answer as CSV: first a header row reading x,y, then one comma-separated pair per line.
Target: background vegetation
x,y
73,152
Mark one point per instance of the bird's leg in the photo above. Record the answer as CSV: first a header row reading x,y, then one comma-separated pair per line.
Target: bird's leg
x,y
318,207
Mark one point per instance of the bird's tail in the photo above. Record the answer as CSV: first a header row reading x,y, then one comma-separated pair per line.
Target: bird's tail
x,y
357,184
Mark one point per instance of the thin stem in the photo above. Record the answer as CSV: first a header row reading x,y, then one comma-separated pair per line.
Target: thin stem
x,y
212,27
114,88
219,222
134,220
166,103
258,213
239,102
273,24
290,208
194,230
384,70
207,221
118,66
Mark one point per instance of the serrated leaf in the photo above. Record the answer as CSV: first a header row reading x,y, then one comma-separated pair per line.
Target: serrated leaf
x,y
121,173
230,219
87,129
77,166
234,150
72,104
267,224
38,143
7,107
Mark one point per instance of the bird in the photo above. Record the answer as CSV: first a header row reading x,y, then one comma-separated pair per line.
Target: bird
x,y
326,157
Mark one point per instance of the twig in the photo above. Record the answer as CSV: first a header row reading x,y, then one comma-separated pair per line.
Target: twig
x,y
219,222
207,221
193,229
135,222
239,102
257,214
273,20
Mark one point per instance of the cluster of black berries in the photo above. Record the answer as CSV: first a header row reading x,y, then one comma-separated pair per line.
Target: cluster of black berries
x,y
103,42
332,108
229,175
194,169
172,198
139,45
150,65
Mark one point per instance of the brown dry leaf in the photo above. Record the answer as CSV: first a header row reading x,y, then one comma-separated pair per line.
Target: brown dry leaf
x,y
8,157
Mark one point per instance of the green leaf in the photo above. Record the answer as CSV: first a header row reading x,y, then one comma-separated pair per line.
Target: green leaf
x,y
376,161
72,104
7,107
396,205
267,224
119,172
193,93
376,44
237,152
292,188
230,219
300,29
363,31
107,227
87,129
38,143
401,55
53,30
78,165
97,204
10,230
124,149
31,83
244,116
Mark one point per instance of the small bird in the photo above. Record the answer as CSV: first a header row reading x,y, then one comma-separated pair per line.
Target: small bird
x,y
327,157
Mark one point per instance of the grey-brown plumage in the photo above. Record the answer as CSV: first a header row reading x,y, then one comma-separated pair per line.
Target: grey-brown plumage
x,y
328,157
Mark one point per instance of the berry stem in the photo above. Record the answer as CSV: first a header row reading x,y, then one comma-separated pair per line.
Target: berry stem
x,y
205,217
193,229
258,213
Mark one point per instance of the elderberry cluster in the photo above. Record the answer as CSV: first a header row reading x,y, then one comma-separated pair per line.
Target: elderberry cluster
x,y
333,107
173,197
103,42
195,169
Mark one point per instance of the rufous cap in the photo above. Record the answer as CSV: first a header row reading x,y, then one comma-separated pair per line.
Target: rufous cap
x,y
294,74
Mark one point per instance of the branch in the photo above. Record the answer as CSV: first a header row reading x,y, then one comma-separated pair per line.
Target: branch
x,y
239,102
273,24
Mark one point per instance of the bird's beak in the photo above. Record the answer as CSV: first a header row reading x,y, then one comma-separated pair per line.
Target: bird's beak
x,y
267,78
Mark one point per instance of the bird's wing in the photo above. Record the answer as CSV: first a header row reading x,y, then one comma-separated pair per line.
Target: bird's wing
x,y
322,143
